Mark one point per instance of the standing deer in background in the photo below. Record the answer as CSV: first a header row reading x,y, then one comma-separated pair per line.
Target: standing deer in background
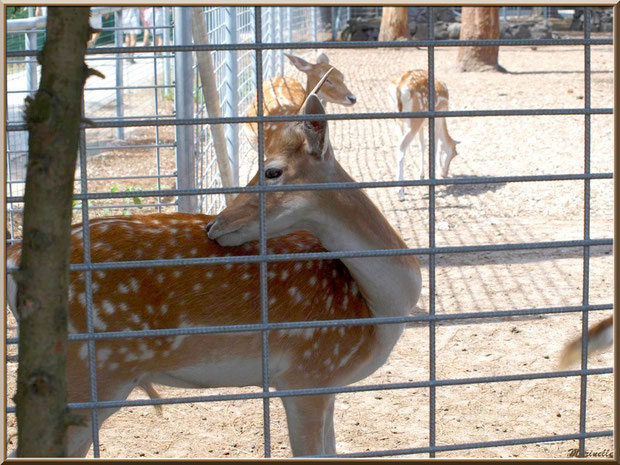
x,y
213,295
285,95
600,337
409,92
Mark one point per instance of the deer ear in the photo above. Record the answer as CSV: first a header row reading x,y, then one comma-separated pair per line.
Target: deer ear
x,y
322,58
299,63
316,130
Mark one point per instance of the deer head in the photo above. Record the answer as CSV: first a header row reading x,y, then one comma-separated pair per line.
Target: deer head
x,y
301,154
334,89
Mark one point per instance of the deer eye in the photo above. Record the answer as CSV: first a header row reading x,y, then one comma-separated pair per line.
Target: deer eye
x,y
273,173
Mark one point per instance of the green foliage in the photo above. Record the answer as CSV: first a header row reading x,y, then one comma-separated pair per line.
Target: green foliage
x,y
16,12
136,200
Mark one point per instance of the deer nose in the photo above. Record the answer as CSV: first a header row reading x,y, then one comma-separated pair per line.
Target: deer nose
x,y
210,225
352,98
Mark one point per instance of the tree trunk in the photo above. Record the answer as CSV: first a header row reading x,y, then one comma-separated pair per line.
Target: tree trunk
x,y
479,23
394,24
212,99
53,118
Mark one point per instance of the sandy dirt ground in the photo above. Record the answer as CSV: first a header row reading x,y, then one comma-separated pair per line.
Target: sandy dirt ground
x,y
548,77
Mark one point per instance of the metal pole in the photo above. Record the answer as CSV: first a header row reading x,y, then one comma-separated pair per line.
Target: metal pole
x,y
334,16
583,401
280,36
184,108
313,20
432,395
231,88
272,27
31,73
166,41
286,25
289,24
264,298
118,42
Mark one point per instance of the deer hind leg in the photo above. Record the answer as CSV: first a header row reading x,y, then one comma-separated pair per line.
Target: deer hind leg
x,y
420,132
310,422
329,436
80,438
400,159
446,155
407,138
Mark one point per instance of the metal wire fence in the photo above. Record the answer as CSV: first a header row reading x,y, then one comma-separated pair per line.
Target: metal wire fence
x,y
267,45
236,81
134,86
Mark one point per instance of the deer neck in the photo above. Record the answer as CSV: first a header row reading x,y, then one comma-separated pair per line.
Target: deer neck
x,y
349,220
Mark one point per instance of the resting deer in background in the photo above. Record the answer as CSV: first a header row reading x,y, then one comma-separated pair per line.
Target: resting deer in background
x,y
285,95
213,295
409,92
600,337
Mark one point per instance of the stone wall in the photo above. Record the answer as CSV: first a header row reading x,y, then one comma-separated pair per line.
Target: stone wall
x,y
448,26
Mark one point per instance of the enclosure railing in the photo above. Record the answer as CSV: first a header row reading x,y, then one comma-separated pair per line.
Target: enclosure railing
x,y
120,82
236,80
585,243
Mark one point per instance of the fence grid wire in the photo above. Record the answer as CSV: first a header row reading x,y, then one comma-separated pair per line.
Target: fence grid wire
x,y
259,46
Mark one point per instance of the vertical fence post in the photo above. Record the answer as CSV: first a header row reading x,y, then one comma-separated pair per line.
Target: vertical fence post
x,y
184,79
272,32
587,148
280,39
31,73
231,88
334,26
289,24
432,395
313,22
166,32
118,42
286,26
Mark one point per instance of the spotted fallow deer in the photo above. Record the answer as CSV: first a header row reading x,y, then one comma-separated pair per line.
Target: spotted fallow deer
x,y
228,294
600,337
285,95
409,92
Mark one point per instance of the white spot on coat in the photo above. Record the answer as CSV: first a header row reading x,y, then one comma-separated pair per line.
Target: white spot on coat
x,y
133,283
103,354
83,352
108,307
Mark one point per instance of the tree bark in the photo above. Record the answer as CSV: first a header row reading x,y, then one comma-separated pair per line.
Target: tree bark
x,y
394,24
212,99
479,23
53,118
